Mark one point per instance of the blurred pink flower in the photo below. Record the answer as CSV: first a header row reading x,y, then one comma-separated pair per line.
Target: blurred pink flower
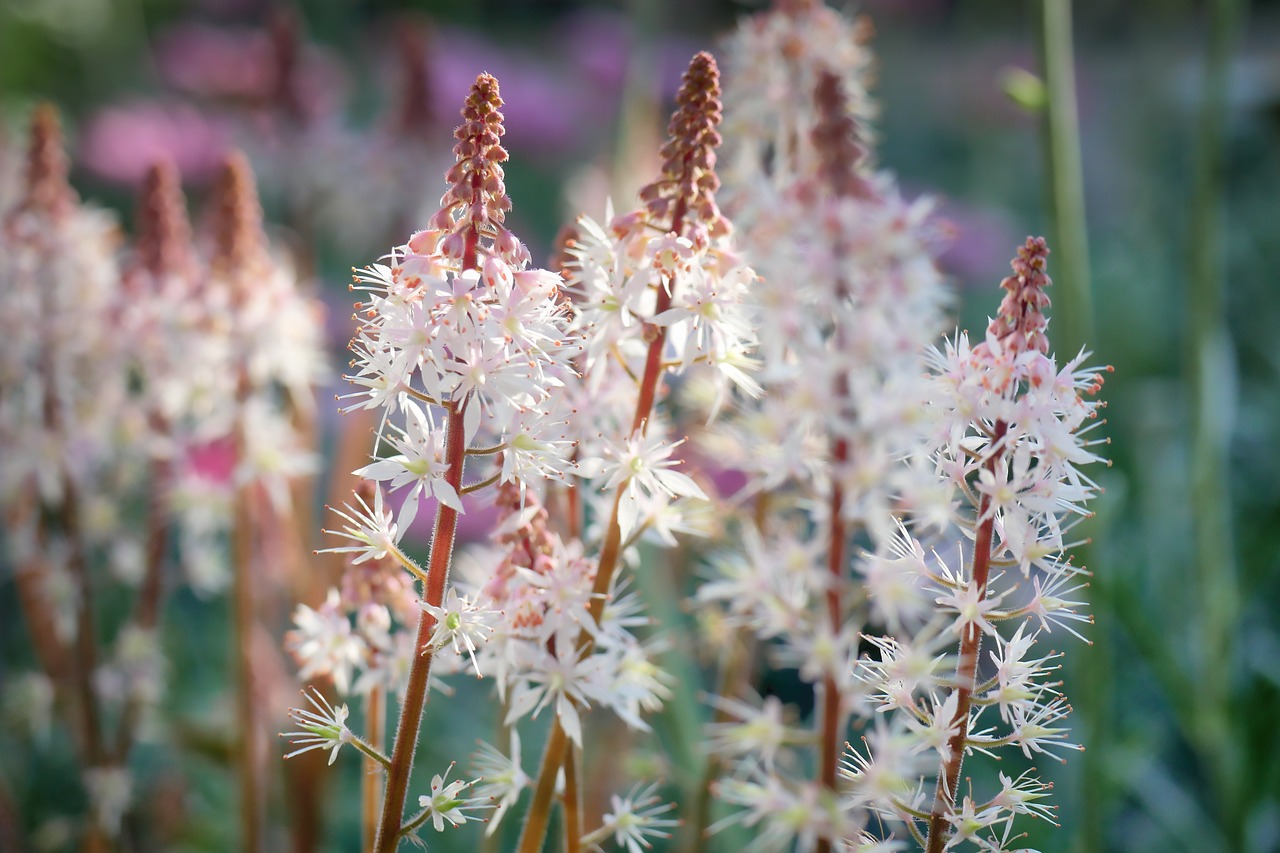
x,y
244,64
214,461
121,142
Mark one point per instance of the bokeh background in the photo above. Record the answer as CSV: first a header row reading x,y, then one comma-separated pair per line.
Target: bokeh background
x,y
345,108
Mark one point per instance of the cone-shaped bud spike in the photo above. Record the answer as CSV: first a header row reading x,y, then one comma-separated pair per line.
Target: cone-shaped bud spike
x,y
46,188
476,202
1020,324
686,189
239,243
835,139
163,246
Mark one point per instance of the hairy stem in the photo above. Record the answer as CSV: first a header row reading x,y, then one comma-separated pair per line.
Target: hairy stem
x,y
944,797
415,694
371,784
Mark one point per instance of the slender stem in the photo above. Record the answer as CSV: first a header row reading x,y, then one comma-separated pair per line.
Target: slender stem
x,y
415,694
1065,174
1212,379
242,551
944,797
147,606
486,451
371,785
829,745
86,642
572,802
535,823
483,484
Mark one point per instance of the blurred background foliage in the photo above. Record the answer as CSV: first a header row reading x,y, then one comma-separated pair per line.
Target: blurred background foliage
x,y
1178,696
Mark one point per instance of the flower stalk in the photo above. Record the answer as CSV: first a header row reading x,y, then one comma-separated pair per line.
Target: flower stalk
x,y
684,191
415,694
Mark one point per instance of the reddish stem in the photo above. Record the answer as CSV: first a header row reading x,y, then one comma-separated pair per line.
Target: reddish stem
x,y
829,749
150,595
242,546
535,827
967,667
415,694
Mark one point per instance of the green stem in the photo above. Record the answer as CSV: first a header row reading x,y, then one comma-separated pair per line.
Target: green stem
x,y
1212,378
1074,317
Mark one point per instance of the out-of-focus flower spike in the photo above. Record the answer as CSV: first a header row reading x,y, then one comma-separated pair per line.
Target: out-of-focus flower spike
x,y
163,243
239,247
416,117
835,139
46,188
284,31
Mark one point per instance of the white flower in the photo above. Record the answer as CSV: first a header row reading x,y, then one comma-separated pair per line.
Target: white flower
x,y
323,642
567,678
420,462
643,465
323,728
110,793
758,728
445,802
634,820
373,530
501,777
461,623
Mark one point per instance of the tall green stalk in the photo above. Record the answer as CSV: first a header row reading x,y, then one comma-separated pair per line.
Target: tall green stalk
x,y
1212,379
1073,308
1073,326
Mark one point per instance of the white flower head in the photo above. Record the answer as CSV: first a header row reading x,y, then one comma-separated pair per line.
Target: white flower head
x,y
445,803
461,623
325,727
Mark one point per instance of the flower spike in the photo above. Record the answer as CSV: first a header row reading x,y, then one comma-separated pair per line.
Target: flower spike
x,y
686,188
1021,322
164,235
47,188
239,242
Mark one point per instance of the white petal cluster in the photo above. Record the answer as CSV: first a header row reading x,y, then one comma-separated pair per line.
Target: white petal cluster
x,y
493,341
615,271
543,589
1008,436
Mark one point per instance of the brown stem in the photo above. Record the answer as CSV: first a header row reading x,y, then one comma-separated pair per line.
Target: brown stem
x,y
572,802
371,785
944,797
150,595
252,788
415,694
829,748
86,641
535,824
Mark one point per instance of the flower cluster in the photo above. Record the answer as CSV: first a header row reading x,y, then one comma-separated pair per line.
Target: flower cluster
x,y
1009,438
122,374
457,321
853,298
